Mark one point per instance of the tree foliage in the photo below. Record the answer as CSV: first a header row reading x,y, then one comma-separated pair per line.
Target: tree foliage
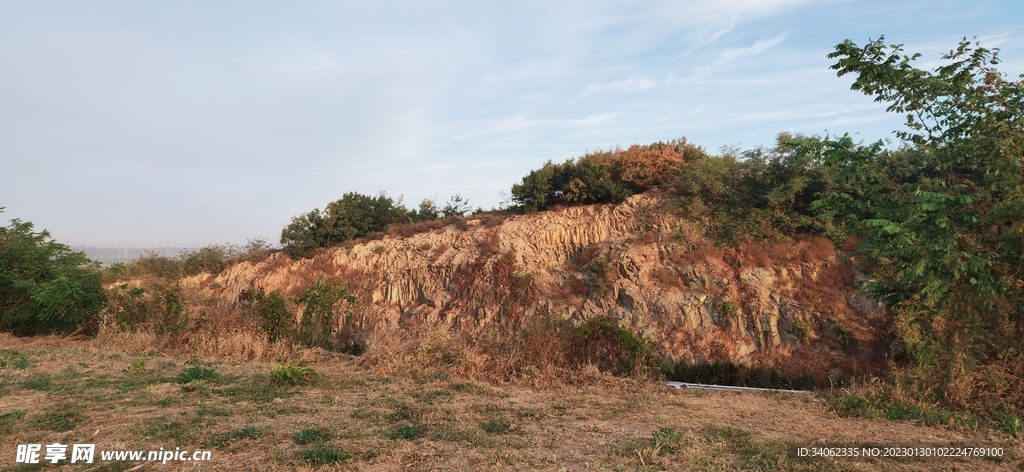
x,y
353,215
44,286
604,176
942,216
761,193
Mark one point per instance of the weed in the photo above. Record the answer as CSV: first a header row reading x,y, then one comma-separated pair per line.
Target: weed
x,y
224,440
1012,424
41,383
405,432
138,365
467,387
63,417
291,374
8,420
728,309
431,396
803,329
180,433
473,436
319,455
496,426
197,373
11,359
531,413
255,390
311,435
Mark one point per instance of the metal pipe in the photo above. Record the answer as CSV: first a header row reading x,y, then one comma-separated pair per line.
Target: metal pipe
x,y
681,385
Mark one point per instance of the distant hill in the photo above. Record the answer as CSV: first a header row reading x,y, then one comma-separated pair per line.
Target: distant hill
x,y
113,255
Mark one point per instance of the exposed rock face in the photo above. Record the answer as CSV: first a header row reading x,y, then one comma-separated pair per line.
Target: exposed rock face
x,y
634,262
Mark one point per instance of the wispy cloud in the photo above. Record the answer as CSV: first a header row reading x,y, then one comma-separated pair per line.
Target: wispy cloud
x,y
758,47
729,55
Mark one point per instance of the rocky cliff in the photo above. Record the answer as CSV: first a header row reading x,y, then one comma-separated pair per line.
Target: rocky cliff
x,y
635,262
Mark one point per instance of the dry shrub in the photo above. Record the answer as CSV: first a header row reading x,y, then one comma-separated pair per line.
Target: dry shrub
x,y
851,243
753,254
815,248
490,220
701,253
666,278
540,352
410,229
584,256
238,344
112,337
646,166
489,244
573,287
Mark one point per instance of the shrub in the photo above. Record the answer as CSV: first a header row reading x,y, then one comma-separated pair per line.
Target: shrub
x,y
759,194
318,318
45,287
196,373
271,312
354,215
603,176
291,374
600,341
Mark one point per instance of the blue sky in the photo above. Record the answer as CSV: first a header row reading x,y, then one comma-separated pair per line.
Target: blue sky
x,y
187,123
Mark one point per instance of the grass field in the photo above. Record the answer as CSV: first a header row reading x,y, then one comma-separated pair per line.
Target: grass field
x,y
333,414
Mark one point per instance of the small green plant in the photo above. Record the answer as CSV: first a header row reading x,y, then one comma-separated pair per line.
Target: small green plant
x,y
311,435
197,373
61,418
8,420
224,440
600,275
138,366
11,359
802,329
41,383
405,432
1012,424
319,455
728,309
291,374
496,426
666,438
175,431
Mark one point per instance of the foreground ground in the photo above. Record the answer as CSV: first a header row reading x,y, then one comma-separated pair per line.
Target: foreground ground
x,y
354,418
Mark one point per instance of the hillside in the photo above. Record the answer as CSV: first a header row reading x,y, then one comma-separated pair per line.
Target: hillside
x,y
790,305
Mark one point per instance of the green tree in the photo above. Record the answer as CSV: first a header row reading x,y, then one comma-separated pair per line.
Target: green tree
x,y
942,217
352,216
45,287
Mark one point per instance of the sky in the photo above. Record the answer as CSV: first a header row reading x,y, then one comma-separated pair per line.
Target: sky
x,y
181,124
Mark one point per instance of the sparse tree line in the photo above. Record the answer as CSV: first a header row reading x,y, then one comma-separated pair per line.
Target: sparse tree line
x,y
939,215
356,215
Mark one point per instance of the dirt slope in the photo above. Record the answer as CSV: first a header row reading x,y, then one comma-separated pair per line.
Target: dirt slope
x,y
634,262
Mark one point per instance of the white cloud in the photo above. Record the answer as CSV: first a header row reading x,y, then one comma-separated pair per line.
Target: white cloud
x,y
758,47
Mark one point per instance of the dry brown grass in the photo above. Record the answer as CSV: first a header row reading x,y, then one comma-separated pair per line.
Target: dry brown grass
x,y
666,278
239,344
540,352
429,420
